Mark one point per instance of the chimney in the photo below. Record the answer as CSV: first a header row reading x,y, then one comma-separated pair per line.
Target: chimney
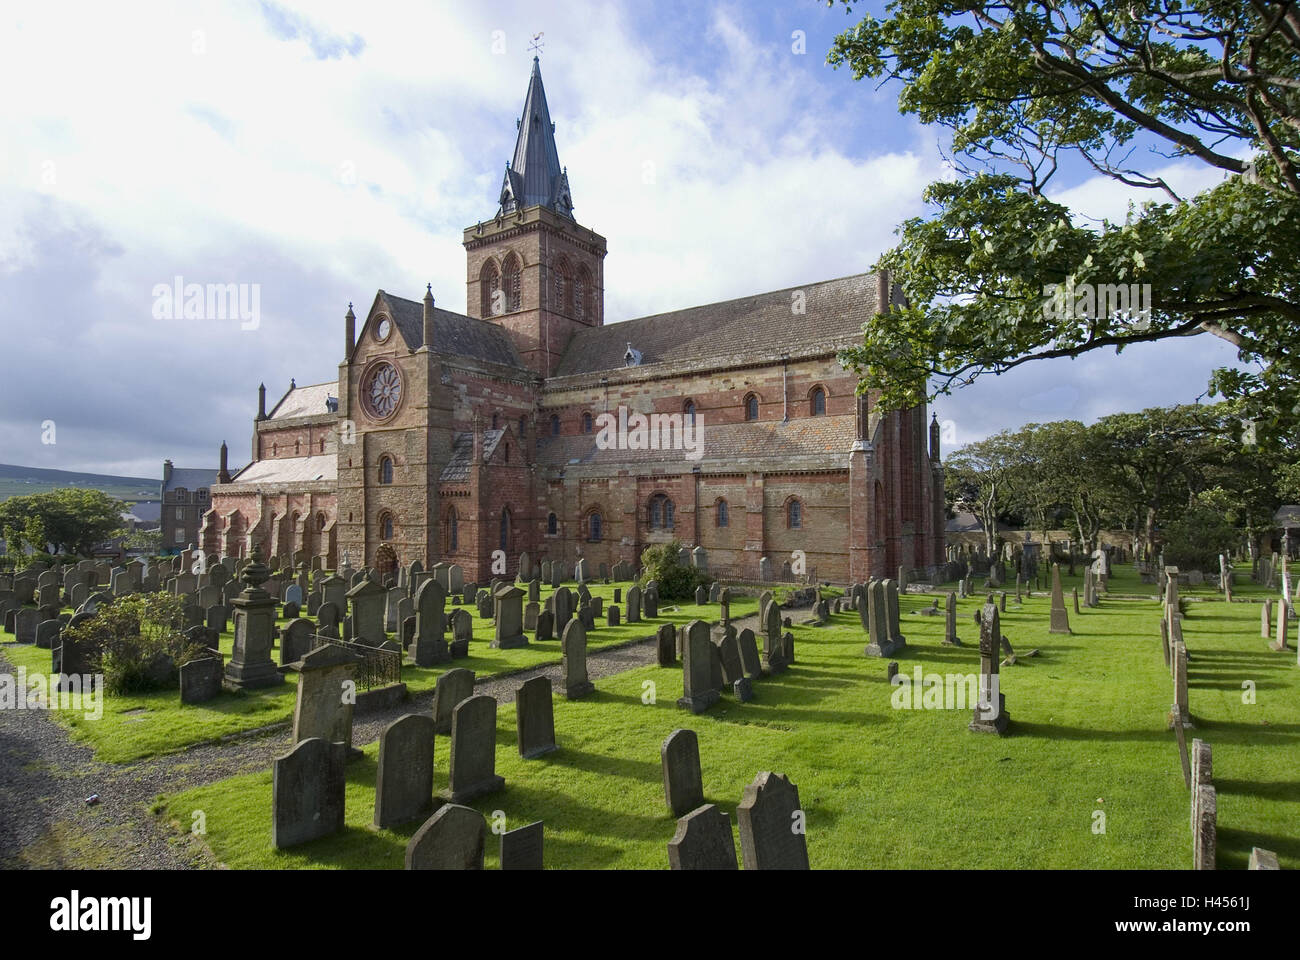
x,y
167,472
428,317
223,475
261,401
934,437
882,291
350,341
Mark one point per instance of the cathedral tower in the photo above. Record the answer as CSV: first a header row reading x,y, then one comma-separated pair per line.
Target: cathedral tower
x,y
533,269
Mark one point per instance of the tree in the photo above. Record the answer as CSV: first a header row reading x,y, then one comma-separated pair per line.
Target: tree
x,y
983,474
70,520
1001,275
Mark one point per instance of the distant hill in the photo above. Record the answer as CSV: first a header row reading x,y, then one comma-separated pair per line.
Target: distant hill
x,y
21,481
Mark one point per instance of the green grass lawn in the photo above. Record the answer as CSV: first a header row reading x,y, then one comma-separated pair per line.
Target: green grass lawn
x,y
135,727
885,788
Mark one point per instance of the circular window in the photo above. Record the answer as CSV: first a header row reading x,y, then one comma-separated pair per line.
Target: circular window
x,y
381,391
383,330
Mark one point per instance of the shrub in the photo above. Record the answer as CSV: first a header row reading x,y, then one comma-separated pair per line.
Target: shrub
x,y
138,640
677,581
1195,540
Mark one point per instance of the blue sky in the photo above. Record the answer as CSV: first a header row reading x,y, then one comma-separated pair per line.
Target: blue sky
x,y
325,150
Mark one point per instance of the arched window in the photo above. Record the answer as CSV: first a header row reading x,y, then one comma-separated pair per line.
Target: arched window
x,y
562,287
320,521
512,279
297,447
593,526
722,519
385,526
751,407
523,426
552,524
505,530
489,284
794,514
496,421
661,512
453,534
385,470
586,423
818,402
690,412
555,425
580,285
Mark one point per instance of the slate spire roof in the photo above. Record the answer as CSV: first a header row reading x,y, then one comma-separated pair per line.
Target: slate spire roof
x,y
535,177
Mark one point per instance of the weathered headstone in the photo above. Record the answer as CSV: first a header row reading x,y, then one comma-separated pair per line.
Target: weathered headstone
x,y
404,779
200,680
323,708
307,793
990,713
770,820
666,649
509,601
574,683
521,848
451,689
1060,620
697,669
535,718
683,780
452,839
472,769
703,841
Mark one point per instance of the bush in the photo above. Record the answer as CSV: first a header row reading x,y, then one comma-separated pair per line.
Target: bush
x,y
676,581
1195,540
139,642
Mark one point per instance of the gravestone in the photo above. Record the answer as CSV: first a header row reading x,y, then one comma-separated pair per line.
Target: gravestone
x,y
535,718
521,848
580,571
452,839
1261,859
323,708
729,658
750,662
404,779
665,645
990,713
1205,827
200,680
1060,620
766,814
573,665
251,666
25,623
703,841
531,611
611,616
679,756
634,604
950,621
307,793
701,595
472,769
47,634
545,627
509,601
697,669
1266,619
650,601
296,639
430,644
368,601
563,598
1178,713
451,689
881,644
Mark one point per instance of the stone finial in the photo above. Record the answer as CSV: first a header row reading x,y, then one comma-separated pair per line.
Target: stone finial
x,y
256,573
428,317
350,326
261,401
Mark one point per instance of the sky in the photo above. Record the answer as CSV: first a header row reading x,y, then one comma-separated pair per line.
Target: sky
x,y
314,153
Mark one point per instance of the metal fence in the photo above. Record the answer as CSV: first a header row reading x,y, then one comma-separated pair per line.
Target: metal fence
x,y
377,667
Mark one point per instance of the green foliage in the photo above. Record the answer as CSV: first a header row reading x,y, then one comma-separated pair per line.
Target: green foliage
x,y
1026,89
676,580
150,540
1195,540
138,640
71,520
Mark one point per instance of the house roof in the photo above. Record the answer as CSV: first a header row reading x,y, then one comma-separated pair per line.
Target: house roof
x,y
306,401
803,443
322,466
453,333
462,451
757,328
190,479
1287,515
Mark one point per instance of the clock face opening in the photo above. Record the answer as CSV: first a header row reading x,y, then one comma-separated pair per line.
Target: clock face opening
x,y
381,391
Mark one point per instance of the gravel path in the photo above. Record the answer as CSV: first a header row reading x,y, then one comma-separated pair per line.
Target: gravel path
x,y
45,778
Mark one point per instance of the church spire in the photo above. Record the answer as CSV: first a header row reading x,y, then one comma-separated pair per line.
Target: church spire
x,y
535,176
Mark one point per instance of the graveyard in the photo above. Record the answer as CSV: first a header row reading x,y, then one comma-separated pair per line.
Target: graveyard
x,y
1087,742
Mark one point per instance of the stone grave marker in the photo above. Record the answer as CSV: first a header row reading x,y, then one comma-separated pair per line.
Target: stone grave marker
x,y
451,689
307,793
200,680
535,718
452,839
683,780
697,669
703,841
766,815
575,683
472,769
323,708
404,781
521,848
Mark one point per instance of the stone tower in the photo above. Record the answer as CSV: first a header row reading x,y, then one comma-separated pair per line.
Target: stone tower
x,y
533,269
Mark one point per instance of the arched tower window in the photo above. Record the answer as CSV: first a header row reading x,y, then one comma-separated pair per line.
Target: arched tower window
x,y
496,421
661,512
552,524
385,526
582,294
689,410
512,280
586,423
320,521
385,470
594,524
562,286
489,284
722,518
751,407
504,542
453,534
555,425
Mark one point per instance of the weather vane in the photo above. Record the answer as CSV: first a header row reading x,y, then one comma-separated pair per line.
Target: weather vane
x,y
536,43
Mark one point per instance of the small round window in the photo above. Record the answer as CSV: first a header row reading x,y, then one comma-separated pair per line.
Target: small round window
x,y
383,330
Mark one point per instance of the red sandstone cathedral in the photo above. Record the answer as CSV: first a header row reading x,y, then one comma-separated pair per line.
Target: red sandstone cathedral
x,y
450,437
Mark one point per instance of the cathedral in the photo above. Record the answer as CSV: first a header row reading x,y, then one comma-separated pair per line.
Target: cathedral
x,y
529,425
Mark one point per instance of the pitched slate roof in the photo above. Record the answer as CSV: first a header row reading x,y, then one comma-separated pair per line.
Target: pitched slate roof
x,y
1287,515
453,333
535,175
807,442
462,451
304,401
321,466
190,479
758,328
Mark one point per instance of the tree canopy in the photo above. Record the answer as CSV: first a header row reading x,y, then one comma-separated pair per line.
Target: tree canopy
x,y
69,520
1002,275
